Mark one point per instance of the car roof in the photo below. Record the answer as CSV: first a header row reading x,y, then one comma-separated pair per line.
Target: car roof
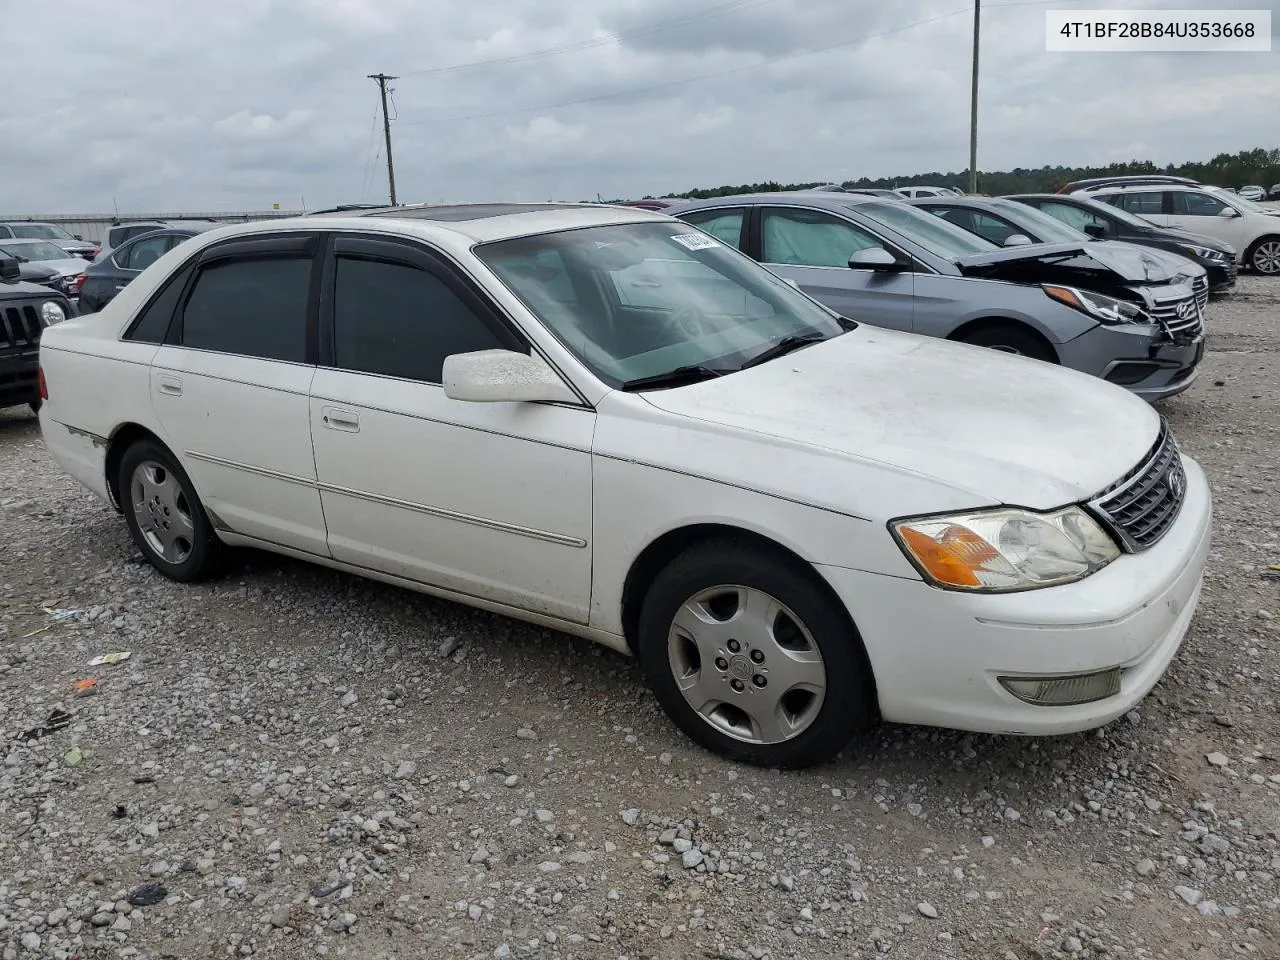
x,y
37,223
477,223
813,197
1149,188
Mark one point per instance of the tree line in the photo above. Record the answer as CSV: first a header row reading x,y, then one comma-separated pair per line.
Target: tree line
x,y
1257,166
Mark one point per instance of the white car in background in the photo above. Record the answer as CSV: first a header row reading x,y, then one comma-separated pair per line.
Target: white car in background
x,y
605,421
1253,192
917,193
1252,229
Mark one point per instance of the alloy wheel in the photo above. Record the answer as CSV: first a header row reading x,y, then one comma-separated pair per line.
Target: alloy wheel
x,y
1266,257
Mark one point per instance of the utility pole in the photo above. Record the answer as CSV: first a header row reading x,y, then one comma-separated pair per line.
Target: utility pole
x,y
973,104
382,79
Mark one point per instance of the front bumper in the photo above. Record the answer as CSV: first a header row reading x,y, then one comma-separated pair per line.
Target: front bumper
x,y
1222,275
1139,358
937,655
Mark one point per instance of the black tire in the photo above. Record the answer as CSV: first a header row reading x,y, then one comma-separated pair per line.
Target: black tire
x,y
849,702
203,553
1011,338
1262,257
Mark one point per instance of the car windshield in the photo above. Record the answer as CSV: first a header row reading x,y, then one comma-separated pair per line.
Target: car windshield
x,y
39,231
1243,204
641,300
1048,229
35,251
939,237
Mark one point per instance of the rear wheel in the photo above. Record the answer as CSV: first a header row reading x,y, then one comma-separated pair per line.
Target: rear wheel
x,y
164,514
1265,256
752,659
1011,338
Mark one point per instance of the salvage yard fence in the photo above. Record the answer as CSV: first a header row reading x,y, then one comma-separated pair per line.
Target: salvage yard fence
x,y
94,226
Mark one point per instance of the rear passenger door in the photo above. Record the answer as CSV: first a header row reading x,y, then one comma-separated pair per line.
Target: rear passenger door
x,y
813,247
231,387
1152,205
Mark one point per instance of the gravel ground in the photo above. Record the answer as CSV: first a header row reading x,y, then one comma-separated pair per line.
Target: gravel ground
x,y
296,763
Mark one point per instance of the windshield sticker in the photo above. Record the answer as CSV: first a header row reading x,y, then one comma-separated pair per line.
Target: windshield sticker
x,y
695,241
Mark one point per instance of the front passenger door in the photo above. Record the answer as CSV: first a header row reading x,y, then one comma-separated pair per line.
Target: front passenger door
x,y
491,500
813,247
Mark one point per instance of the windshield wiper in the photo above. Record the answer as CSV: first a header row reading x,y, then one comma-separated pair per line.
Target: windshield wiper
x,y
674,378
783,346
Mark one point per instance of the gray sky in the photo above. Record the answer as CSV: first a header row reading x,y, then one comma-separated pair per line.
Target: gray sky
x,y
239,104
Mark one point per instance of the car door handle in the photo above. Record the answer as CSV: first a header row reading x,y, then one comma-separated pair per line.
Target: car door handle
x,y
169,385
336,418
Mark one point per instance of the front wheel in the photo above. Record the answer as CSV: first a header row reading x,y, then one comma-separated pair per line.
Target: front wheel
x,y
1265,257
1011,338
164,514
753,659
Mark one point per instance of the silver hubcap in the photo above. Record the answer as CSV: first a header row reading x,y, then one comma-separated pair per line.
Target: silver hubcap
x,y
746,664
1266,259
164,516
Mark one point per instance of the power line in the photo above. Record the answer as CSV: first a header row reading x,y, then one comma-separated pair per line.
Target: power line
x,y
370,155
657,26
723,73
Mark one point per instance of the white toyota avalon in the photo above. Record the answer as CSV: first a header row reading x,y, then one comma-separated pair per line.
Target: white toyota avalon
x,y
602,420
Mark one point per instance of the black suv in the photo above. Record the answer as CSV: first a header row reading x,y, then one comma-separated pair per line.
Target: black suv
x,y
25,310
1105,222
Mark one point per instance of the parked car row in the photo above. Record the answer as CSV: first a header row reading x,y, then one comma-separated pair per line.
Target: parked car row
x,y
633,429
38,230
26,309
1127,314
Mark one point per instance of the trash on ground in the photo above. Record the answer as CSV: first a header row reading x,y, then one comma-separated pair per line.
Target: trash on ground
x,y
107,659
86,688
73,757
148,894
55,722
63,613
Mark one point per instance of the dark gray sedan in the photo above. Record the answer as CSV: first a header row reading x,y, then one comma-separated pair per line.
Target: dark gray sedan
x,y
112,272
1122,314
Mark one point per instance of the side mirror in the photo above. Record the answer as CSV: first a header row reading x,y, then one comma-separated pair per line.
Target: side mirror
x,y
874,258
1095,230
1229,213
496,376
10,272
77,236
1018,240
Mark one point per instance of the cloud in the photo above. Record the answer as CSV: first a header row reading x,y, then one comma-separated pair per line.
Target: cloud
x,y
237,105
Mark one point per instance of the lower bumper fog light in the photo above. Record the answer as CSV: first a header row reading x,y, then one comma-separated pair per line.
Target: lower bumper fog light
x,y
1064,691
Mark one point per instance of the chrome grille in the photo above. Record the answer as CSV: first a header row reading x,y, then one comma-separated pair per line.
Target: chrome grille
x,y
1184,319
1201,288
1142,506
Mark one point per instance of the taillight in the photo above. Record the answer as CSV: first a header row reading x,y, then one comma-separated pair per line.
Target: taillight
x,y
44,387
78,282
97,252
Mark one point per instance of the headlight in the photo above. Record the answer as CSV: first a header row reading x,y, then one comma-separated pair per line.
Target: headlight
x,y
1006,549
1204,253
51,312
1102,308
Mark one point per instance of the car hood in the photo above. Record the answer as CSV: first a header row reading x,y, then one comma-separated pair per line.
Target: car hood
x,y
1000,428
37,272
72,266
1121,263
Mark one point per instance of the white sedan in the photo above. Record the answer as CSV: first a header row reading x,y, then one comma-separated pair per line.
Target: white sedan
x,y
602,420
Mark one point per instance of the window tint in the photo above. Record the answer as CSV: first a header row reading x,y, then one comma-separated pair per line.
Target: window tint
x,y
153,323
255,308
724,225
400,321
1143,204
1190,204
144,253
810,238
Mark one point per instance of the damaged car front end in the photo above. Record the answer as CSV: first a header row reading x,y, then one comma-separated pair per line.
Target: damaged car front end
x,y
1149,308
